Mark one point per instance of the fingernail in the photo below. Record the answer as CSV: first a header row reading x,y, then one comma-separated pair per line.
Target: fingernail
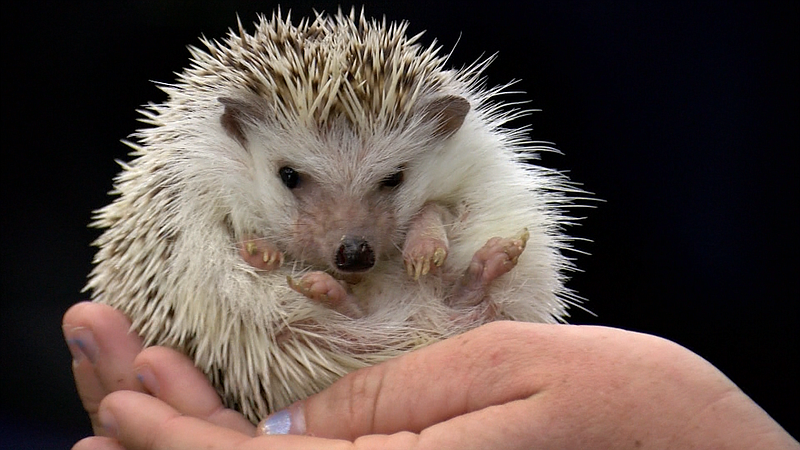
x,y
81,343
148,379
286,421
277,423
108,422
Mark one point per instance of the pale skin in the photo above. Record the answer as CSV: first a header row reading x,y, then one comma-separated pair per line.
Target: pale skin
x,y
503,385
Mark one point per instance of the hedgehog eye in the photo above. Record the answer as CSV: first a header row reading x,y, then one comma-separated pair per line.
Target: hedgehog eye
x,y
393,180
289,176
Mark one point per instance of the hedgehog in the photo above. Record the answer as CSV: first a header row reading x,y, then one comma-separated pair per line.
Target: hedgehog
x,y
315,198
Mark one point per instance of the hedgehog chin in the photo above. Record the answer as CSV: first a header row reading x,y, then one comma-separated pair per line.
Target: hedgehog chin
x,y
351,278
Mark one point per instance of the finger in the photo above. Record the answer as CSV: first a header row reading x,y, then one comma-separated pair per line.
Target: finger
x,y
172,377
98,443
141,421
481,368
103,352
508,426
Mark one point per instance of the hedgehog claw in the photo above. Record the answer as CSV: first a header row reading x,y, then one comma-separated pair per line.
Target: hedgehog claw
x,y
439,255
423,258
260,254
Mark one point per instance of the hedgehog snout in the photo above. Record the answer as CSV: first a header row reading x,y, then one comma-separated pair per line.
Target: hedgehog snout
x,y
354,254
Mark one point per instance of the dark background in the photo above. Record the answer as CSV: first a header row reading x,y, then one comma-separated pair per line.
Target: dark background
x,y
681,116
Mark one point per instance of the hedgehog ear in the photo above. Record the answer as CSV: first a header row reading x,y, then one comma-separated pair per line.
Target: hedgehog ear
x,y
448,113
240,113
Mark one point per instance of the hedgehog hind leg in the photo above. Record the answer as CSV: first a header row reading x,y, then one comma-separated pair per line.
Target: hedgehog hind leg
x,y
496,258
321,287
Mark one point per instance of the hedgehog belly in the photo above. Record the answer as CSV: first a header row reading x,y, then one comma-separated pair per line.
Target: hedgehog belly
x,y
272,356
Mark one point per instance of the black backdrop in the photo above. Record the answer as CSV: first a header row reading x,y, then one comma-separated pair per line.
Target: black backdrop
x,y
681,116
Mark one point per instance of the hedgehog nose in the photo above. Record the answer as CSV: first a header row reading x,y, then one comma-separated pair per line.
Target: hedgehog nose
x,y
354,255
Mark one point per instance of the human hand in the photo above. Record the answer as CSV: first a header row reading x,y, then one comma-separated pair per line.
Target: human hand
x,y
108,358
504,385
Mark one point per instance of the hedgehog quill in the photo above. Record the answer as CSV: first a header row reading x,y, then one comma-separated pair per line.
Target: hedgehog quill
x,y
316,198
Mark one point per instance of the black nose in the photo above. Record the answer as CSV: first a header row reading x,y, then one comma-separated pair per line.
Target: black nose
x,y
354,255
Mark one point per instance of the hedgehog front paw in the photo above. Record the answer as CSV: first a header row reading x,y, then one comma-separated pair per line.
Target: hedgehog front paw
x,y
424,255
260,254
426,243
497,257
323,288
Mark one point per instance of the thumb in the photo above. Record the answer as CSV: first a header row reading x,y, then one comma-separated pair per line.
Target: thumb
x,y
475,370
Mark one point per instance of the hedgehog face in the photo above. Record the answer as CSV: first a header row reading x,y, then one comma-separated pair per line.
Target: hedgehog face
x,y
344,228
337,189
